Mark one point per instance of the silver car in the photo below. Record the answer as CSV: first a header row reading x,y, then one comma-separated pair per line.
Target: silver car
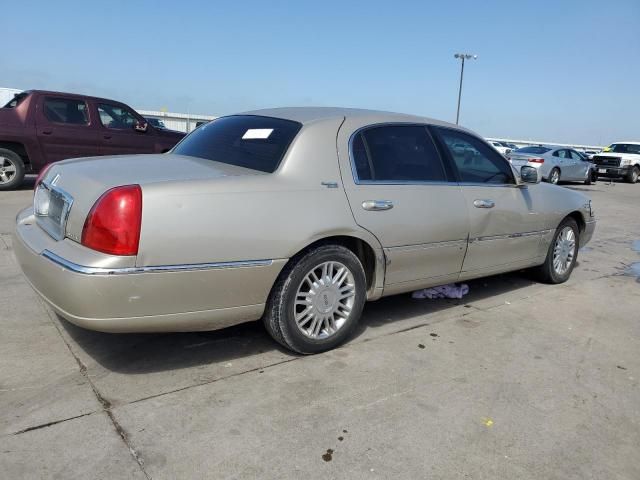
x,y
296,216
555,163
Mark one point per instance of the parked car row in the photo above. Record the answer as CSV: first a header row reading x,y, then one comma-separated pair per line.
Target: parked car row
x,y
41,127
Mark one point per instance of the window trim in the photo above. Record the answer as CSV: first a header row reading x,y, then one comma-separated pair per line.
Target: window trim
x,y
354,171
453,164
66,124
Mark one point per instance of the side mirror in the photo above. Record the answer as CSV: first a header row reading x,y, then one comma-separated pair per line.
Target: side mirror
x,y
530,174
141,126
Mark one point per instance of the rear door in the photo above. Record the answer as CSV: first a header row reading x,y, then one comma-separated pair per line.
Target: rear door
x,y
65,128
399,190
117,135
506,224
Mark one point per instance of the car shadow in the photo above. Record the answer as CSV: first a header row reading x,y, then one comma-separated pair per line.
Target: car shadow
x,y
156,352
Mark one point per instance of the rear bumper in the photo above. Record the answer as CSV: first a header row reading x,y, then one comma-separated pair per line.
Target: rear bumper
x,y
140,300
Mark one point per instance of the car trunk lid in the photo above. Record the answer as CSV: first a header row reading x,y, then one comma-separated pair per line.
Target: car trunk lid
x,y
72,187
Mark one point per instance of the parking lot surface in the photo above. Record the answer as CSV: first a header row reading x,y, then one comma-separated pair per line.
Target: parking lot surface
x,y
516,380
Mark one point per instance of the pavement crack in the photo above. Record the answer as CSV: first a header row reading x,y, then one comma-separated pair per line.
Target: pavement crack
x,y
162,394
106,405
49,424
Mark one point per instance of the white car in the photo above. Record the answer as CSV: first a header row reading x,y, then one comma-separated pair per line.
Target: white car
x,y
499,147
620,159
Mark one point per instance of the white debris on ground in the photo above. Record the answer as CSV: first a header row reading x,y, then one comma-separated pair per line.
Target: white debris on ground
x,y
443,291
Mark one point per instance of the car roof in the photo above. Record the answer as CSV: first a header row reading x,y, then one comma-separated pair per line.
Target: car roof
x,y
628,143
306,115
72,95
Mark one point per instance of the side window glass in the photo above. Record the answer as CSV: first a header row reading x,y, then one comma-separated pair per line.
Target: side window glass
x,y
575,155
400,153
360,158
476,161
116,117
556,153
66,110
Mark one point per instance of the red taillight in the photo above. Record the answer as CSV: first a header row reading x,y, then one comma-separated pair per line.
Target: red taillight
x,y
41,175
536,160
113,224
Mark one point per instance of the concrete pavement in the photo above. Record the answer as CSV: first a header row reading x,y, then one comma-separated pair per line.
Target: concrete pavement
x,y
517,380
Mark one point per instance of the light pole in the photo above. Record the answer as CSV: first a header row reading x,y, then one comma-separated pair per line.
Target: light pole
x,y
463,57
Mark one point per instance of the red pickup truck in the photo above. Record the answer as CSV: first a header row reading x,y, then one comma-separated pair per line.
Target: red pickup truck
x,y
39,127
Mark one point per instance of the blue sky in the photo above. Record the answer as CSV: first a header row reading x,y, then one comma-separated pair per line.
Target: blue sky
x,y
565,71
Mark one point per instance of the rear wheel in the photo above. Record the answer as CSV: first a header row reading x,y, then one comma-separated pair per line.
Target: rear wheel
x,y
554,176
562,253
11,170
317,300
632,176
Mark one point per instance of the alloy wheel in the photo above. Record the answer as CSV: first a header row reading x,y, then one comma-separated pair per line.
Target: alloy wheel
x,y
7,170
324,300
564,250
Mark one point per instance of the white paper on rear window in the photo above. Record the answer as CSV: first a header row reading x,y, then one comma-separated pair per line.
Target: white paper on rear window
x,y
257,133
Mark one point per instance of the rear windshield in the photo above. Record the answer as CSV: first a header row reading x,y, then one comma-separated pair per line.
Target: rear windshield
x,y
536,150
247,141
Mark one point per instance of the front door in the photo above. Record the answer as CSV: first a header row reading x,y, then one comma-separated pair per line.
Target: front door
x,y
118,135
506,225
398,189
65,129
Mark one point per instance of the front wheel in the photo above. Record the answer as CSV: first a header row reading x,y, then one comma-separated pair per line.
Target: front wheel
x,y
562,253
317,300
632,176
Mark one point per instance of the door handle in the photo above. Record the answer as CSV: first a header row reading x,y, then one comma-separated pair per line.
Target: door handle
x,y
107,137
484,203
375,205
47,132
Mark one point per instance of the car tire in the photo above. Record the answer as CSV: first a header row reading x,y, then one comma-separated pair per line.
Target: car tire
x,y
592,177
304,311
554,176
561,256
11,170
632,176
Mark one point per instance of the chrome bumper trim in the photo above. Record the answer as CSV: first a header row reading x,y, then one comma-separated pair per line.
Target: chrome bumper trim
x,y
74,267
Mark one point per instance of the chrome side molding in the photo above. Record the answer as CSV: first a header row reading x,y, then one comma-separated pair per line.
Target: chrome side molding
x,y
74,267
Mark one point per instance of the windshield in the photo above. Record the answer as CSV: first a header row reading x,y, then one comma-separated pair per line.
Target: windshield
x,y
623,148
247,141
536,150
16,100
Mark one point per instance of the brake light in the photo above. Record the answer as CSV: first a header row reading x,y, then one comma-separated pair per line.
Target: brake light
x,y
536,160
113,224
41,175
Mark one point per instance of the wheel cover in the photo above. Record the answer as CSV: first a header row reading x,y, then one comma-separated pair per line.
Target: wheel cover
x,y
7,170
564,250
324,300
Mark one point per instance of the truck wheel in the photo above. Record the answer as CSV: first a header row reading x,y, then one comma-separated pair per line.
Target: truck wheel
x,y
634,173
562,253
317,300
11,170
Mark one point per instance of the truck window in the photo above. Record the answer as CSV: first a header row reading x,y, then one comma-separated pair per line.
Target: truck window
x,y
66,110
117,117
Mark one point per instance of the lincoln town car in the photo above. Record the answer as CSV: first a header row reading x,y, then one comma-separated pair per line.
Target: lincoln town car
x,y
296,216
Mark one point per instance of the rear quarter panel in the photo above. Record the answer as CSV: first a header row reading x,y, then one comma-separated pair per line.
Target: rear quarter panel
x,y
251,217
